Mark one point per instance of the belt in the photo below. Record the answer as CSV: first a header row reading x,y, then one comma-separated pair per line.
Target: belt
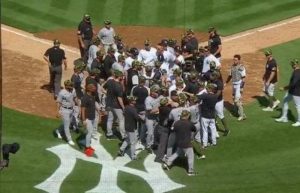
x,y
67,107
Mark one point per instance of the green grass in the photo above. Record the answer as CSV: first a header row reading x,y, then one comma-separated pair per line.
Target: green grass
x,y
229,16
259,156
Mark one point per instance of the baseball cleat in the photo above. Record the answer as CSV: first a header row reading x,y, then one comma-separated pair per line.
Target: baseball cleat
x,y
267,109
192,173
241,118
281,120
70,142
58,134
121,153
275,104
297,124
201,157
165,166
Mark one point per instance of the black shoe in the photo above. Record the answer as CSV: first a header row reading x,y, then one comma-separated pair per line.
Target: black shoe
x,y
111,137
226,132
121,153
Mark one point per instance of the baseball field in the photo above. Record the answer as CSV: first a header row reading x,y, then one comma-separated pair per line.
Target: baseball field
x,y
258,156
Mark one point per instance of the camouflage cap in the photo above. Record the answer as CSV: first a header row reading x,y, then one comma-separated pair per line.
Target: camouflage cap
x,y
177,72
179,82
182,96
201,84
147,42
164,101
117,73
211,86
268,52
189,31
154,88
121,58
118,37
107,22
185,114
211,29
193,75
215,74
110,49
56,42
194,98
294,62
212,65
94,72
131,98
68,83
157,63
135,63
142,79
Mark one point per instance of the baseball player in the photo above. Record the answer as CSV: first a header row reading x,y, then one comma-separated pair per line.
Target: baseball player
x,y
108,61
237,73
88,109
106,35
183,129
115,104
215,79
173,117
148,54
293,92
207,60
92,52
270,79
65,104
214,43
55,57
207,107
132,55
85,34
131,117
152,111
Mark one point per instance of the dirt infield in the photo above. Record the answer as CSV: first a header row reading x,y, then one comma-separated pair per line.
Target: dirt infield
x,y
24,72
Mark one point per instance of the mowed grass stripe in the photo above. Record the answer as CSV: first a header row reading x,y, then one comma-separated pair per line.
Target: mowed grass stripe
x,y
96,10
62,5
130,12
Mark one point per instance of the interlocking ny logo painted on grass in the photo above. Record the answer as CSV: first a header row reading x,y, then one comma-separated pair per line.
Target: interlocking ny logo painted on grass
x,y
154,175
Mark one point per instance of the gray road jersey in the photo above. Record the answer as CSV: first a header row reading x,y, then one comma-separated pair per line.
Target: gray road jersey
x,y
151,103
194,113
175,113
237,72
66,98
106,35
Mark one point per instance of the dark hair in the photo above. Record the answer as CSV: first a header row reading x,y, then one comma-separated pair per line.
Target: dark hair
x,y
237,56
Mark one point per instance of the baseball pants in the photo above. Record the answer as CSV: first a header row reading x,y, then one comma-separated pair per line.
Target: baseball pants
x,y
220,109
131,139
90,124
287,98
66,115
237,96
269,90
150,125
207,124
188,152
55,78
163,141
171,144
118,113
197,134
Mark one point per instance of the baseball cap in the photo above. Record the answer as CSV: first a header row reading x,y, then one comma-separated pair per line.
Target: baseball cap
x,y
163,101
131,98
154,88
68,83
210,29
189,31
107,22
294,62
185,114
268,52
147,42
56,42
87,17
110,49
118,73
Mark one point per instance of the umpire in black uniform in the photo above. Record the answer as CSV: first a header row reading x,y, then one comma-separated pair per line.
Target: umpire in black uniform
x,y
55,57
85,35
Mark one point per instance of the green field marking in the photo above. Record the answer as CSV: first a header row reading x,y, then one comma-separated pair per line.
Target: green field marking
x,y
229,16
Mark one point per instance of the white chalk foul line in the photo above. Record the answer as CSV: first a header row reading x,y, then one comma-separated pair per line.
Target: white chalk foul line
x,y
38,39
272,26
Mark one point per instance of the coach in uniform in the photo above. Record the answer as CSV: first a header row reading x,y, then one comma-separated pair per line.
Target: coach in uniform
x,y
293,91
215,43
85,35
270,79
106,35
55,57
